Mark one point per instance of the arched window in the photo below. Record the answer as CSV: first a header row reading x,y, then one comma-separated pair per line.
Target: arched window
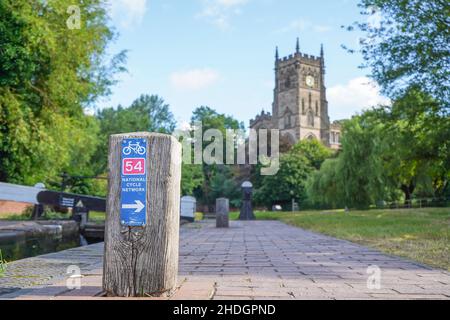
x,y
287,121
303,105
311,119
317,108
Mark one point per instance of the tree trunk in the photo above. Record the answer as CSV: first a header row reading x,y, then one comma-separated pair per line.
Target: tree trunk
x,y
408,190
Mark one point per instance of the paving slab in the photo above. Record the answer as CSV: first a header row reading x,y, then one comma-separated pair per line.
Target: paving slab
x,y
251,260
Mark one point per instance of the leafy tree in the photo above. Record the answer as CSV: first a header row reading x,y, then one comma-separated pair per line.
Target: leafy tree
x,y
147,113
406,43
192,178
48,75
225,185
325,188
211,119
314,151
420,135
403,147
287,184
295,167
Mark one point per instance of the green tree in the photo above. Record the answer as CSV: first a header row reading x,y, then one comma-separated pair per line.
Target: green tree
x,y
414,127
211,119
406,43
287,184
147,113
403,147
324,188
360,165
192,178
290,182
48,75
225,185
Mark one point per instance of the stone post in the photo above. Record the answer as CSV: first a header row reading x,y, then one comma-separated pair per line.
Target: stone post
x,y
222,213
142,215
246,208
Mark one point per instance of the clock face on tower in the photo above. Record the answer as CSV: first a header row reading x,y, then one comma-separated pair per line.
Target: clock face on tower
x,y
310,81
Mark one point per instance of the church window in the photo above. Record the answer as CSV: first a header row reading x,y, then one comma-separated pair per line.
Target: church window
x,y
303,106
311,119
309,100
287,83
287,121
317,108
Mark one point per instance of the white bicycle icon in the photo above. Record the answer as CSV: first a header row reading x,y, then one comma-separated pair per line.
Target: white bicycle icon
x,y
136,147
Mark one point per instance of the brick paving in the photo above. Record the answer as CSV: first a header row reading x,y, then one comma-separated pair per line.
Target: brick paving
x,y
258,260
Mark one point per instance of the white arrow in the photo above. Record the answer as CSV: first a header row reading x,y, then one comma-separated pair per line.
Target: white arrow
x,y
139,206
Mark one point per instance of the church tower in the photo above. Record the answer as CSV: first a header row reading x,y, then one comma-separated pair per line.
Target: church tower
x,y
300,107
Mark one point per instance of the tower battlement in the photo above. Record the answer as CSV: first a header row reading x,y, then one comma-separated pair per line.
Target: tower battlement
x,y
302,56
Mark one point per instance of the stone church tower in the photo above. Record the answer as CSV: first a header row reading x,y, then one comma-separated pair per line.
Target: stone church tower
x,y
300,107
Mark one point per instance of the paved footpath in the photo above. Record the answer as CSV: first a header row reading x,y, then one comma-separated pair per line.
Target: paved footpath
x,y
250,260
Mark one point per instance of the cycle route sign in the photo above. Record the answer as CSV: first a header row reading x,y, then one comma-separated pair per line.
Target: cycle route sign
x,y
133,202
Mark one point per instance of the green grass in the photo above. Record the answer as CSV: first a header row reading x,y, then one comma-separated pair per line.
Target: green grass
x,y
26,216
418,234
98,217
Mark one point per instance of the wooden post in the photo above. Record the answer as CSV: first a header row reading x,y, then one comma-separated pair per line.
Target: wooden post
x,y
143,260
222,211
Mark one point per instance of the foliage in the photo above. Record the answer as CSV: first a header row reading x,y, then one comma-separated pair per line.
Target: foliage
x,y
147,113
324,188
290,181
192,178
403,147
48,75
314,151
225,185
219,181
406,44
421,136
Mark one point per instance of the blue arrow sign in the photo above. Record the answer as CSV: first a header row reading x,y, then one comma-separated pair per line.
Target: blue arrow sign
x,y
133,200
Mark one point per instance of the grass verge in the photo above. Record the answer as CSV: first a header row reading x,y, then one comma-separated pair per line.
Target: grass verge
x,y
422,235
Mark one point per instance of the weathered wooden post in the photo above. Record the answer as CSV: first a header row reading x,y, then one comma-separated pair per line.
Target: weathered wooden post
x,y
222,211
142,215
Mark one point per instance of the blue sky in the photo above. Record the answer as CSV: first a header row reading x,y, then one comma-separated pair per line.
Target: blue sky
x,y
220,53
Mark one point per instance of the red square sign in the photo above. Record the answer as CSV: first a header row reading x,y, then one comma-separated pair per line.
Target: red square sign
x,y
133,166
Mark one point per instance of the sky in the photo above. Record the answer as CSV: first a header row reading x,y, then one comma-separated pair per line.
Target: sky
x,y
220,53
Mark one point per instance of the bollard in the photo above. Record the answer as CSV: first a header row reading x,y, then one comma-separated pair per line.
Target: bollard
x,y
222,211
246,207
142,215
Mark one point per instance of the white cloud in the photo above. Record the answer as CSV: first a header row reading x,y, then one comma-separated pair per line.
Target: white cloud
x,y
301,25
220,12
321,28
127,12
358,94
194,79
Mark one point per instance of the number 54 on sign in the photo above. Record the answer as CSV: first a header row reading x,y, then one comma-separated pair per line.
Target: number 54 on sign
x,y
133,166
